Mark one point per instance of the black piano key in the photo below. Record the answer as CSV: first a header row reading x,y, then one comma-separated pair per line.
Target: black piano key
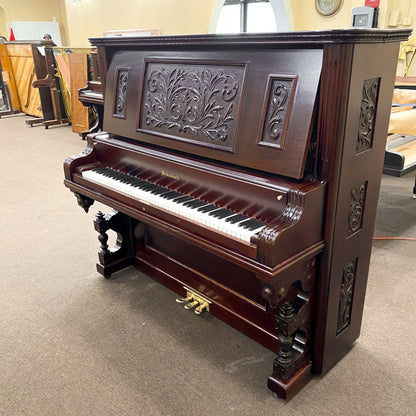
x,y
146,186
103,171
171,195
221,213
236,218
165,191
259,225
194,203
182,199
207,208
251,224
190,202
138,183
197,204
246,224
159,190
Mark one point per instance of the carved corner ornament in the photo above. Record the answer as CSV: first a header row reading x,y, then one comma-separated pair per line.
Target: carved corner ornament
x,y
84,201
266,241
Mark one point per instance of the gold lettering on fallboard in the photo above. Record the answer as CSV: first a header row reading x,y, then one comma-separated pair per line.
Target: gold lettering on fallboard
x,y
169,175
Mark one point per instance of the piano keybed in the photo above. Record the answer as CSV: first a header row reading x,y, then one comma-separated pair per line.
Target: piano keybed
x,y
174,199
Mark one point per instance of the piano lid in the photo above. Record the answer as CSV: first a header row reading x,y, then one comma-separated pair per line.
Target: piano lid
x,y
247,100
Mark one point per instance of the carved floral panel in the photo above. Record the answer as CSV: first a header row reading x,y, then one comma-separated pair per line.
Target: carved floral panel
x,y
356,209
192,102
278,105
367,114
346,296
121,93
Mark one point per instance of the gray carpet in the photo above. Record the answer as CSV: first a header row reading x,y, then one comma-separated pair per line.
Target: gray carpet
x,y
73,343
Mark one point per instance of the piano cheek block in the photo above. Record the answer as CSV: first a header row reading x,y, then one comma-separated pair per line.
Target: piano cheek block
x,y
258,206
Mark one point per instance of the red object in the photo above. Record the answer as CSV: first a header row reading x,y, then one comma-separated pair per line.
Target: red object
x,y
372,3
12,35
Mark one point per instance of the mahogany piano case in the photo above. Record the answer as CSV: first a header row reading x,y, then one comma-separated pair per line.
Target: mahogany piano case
x,y
243,172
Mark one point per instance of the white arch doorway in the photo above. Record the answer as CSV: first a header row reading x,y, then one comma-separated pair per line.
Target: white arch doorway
x,y
282,11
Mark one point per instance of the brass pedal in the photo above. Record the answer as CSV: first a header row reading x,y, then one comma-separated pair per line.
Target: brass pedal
x,y
191,304
184,300
193,300
201,308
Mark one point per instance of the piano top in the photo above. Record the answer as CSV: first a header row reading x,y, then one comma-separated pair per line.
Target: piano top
x,y
353,35
246,99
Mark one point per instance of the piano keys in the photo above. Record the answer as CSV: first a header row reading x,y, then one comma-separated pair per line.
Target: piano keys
x,y
202,210
243,173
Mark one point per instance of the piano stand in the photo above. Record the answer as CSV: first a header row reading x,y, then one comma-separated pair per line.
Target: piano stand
x,y
121,255
49,91
8,113
32,121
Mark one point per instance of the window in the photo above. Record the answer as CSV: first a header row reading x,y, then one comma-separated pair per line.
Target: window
x,y
246,16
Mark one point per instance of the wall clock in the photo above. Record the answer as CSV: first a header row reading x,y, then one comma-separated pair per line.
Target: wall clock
x,y
328,7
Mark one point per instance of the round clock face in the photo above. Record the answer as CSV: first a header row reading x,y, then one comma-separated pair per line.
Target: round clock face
x,y
328,7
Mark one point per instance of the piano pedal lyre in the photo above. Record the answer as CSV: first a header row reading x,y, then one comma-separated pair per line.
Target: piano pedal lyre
x,y
193,300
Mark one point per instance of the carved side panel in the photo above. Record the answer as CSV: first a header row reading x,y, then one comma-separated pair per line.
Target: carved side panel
x,y
121,93
192,102
356,209
346,296
277,109
368,114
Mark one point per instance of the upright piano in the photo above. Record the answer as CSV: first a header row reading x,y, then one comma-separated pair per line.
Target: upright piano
x,y
243,173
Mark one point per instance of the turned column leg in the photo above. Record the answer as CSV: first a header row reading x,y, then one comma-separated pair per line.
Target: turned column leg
x,y
121,255
292,366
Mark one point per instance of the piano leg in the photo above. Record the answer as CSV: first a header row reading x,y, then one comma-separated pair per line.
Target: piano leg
x,y
121,255
293,321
